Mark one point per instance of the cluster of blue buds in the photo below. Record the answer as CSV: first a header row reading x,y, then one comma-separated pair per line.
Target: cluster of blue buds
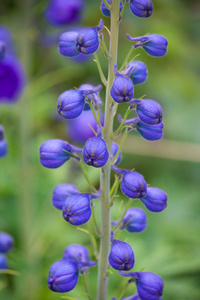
x,y
3,143
6,245
13,78
63,274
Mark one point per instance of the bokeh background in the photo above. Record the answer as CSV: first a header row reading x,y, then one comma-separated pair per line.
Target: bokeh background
x,y
170,245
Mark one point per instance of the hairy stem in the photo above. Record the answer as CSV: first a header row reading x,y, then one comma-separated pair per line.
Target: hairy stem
x,y
106,170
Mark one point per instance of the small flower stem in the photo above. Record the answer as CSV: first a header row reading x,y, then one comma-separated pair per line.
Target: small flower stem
x,y
126,59
122,124
95,221
120,146
106,170
107,4
94,113
123,9
104,48
120,221
102,76
87,177
85,281
124,290
93,241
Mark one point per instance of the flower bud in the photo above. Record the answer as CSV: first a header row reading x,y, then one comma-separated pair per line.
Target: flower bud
x,y
70,104
77,209
122,89
141,8
121,256
149,285
95,152
3,147
67,44
79,255
133,184
62,12
3,262
61,192
95,96
87,41
54,153
114,149
105,11
136,71
84,121
63,276
149,112
153,44
2,49
155,199
6,242
150,132
135,220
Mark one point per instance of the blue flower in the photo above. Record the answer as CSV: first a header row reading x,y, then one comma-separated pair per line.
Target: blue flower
x,y
155,199
122,89
153,44
136,71
149,285
6,242
95,152
61,192
141,8
3,262
121,256
63,276
62,12
135,220
105,11
54,153
67,44
149,111
150,132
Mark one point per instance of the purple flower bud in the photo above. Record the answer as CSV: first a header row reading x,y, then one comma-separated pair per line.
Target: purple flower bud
x,y
3,262
149,285
63,276
105,11
87,41
77,208
54,153
70,104
62,12
121,256
95,96
67,44
155,199
136,71
6,242
114,149
122,89
135,220
95,152
61,192
149,111
133,184
150,132
2,49
80,255
153,44
12,80
141,8
78,129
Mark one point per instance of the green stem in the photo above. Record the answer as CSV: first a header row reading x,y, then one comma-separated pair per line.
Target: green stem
x,y
94,113
126,59
107,4
106,170
102,76
120,146
124,290
122,123
120,221
87,177
95,221
104,48
85,281
123,9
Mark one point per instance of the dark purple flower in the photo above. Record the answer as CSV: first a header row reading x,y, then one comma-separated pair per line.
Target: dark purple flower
x,y
54,153
78,129
87,41
149,111
3,262
122,89
153,44
114,149
149,285
61,192
141,8
136,71
150,132
63,276
6,242
67,44
135,220
80,255
121,256
133,184
77,208
95,96
62,12
155,199
95,152
105,11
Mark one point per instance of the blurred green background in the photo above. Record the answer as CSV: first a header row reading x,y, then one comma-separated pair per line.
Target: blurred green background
x,y
170,246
